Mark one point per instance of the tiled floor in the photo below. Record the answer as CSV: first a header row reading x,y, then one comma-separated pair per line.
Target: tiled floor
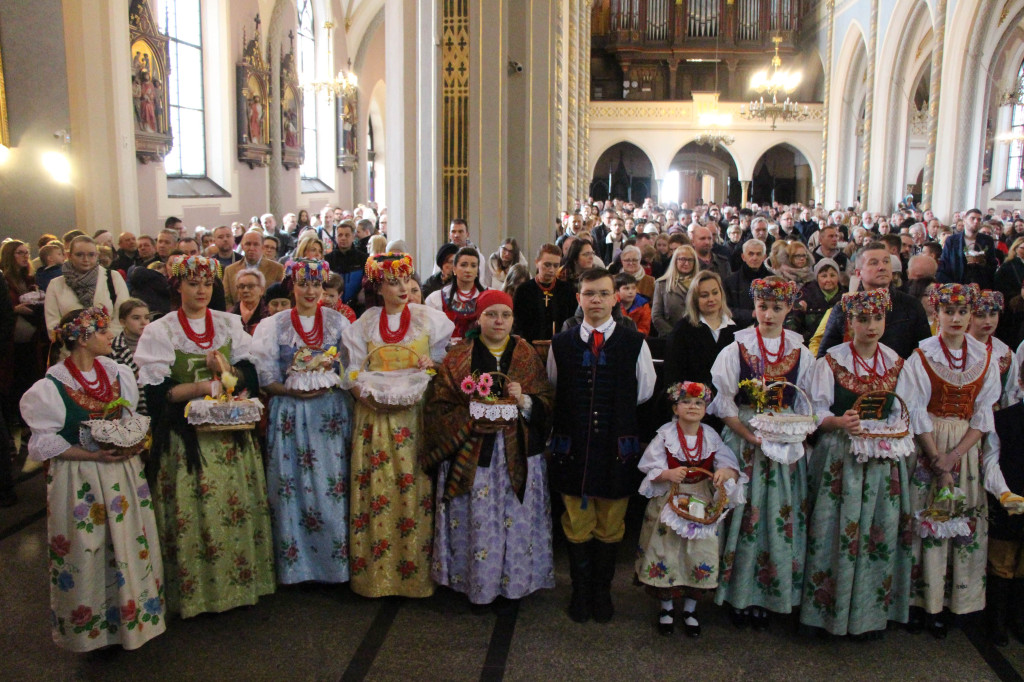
x,y
320,632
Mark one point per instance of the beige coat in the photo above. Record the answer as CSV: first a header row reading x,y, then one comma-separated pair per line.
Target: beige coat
x,y
274,272
668,307
61,300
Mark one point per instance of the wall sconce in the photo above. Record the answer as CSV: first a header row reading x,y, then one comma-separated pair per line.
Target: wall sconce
x,y
5,154
57,163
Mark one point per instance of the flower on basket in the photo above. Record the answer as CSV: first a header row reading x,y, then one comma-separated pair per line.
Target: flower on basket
x,y
482,390
754,390
468,386
353,375
478,386
486,381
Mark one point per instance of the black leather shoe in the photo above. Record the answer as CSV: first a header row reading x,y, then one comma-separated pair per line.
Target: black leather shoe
x,y
691,630
740,618
758,619
937,627
915,623
669,627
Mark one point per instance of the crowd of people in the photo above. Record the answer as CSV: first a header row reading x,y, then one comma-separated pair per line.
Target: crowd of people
x,y
467,403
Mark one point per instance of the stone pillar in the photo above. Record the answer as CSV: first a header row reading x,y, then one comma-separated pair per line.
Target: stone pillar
x,y
829,46
583,97
935,89
673,66
745,190
869,100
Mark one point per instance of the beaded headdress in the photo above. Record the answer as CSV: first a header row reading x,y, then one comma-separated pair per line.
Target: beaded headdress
x,y
85,324
690,389
874,302
774,290
194,267
954,294
988,302
390,266
308,269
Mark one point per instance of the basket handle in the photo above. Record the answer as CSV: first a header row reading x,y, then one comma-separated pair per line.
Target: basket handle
x,y
369,355
716,509
862,396
807,398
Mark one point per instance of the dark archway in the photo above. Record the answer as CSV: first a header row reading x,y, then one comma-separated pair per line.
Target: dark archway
x,y
782,174
693,162
624,172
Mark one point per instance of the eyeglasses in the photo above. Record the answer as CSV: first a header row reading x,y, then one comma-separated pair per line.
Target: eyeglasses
x,y
591,295
246,287
684,259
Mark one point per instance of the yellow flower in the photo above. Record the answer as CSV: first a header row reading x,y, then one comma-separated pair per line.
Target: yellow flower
x,y
353,375
432,371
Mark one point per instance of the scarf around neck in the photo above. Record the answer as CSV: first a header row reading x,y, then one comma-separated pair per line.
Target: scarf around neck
x,y
83,284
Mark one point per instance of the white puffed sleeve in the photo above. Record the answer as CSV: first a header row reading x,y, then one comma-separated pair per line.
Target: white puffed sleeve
x,y
725,375
823,389
916,390
265,349
434,301
995,483
154,354
1012,393
652,463
241,342
43,412
354,339
125,375
441,329
646,377
988,396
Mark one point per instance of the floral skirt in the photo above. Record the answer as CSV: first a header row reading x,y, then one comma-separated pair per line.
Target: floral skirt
x,y
307,481
763,553
858,541
106,576
488,544
392,506
951,572
214,525
664,559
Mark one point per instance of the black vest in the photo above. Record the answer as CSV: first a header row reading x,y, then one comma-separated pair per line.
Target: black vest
x,y
1010,429
595,442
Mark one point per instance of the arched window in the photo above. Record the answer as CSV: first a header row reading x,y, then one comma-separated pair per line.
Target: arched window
x,y
1016,153
307,74
182,22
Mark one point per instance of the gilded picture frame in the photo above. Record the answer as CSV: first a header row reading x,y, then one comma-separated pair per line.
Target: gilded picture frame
x,y
5,131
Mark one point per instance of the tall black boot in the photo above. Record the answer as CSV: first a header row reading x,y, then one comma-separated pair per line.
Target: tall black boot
x,y
997,594
580,572
604,570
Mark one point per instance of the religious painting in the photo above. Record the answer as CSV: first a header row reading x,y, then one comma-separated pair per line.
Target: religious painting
x,y
150,66
253,98
291,112
348,154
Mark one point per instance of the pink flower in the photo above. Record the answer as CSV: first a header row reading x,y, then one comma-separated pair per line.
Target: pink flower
x,y
484,391
485,381
468,386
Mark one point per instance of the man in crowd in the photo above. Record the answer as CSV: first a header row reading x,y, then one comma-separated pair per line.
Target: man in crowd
x,y
147,250
737,285
364,230
224,241
707,259
252,247
348,261
544,302
127,253
969,257
284,240
166,240
828,247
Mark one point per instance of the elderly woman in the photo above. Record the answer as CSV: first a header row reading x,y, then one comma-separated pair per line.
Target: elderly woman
x,y
84,284
210,494
250,284
631,260
669,304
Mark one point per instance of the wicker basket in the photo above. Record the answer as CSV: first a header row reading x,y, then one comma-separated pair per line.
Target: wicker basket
x,y
784,428
499,413
210,423
714,510
390,391
676,516
878,438
943,519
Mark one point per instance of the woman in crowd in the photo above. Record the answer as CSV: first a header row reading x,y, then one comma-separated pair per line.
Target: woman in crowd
x,y
134,316
517,274
669,303
988,306
816,298
84,284
104,559
631,259
310,429
664,255
27,340
706,329
1009,278
580,257
251,306
309,246
499,263
458,299
859,557
794,263
492,537
210,491
389,490
445,262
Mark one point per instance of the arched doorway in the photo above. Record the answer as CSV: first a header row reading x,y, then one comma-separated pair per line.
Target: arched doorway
x,y
624,172
702,174
782,174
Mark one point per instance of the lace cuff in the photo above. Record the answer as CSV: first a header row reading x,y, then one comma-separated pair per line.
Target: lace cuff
x,y
44,446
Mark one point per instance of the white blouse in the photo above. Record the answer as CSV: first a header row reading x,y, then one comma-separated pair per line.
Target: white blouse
x,y
43,409
823,384
434,323
916,389
725,373
654,460
277,331
646,377
155,353
1012,392
437,298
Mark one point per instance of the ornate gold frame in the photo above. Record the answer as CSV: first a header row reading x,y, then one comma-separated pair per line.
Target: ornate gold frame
x,y
5,133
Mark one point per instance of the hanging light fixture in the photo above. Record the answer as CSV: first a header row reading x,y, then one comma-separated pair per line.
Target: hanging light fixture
x,y
712,135
344,84
772,84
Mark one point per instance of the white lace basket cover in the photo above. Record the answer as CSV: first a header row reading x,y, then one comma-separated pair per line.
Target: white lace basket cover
x,y
783,435
883,438
35,297
95,434
940,525
231,413
696,530
398,387
312,371
493,412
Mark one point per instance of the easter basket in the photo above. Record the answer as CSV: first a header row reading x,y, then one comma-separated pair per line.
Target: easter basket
x,y
693,516
881,438
126,435
214,414
492,411
312,371
783,434
945,516
395,389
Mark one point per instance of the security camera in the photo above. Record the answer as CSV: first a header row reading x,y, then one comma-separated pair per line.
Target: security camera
x,y
514,66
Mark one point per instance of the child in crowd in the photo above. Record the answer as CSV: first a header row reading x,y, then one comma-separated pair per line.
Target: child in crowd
x,y
675,561
134,316
762,562
331,298
633,305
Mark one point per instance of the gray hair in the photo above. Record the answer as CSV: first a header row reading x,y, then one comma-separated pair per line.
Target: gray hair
x,y
631,249
251,273
755,242
758,219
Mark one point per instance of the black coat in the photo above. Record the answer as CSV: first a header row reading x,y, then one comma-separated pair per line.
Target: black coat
x,y
535,321
737,293
906,325
691,351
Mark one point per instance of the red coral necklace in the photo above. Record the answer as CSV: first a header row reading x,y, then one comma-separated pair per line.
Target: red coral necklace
x,y
691,455
955,364
768,357
315,337
204,340
869,370
396,336
100,389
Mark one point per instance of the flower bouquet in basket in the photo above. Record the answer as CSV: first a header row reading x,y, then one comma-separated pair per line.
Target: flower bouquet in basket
x,y
782,434
488,410
313,370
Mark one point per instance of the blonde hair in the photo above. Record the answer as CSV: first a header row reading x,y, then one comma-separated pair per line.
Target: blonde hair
x,y
692,314
378,244
305,242
672,274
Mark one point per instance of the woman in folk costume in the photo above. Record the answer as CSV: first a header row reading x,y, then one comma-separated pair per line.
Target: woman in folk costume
x,y
310,431
950,384
106,576
988,307
492,537
458,299
762,561
857,576
675,559
392,505
211,495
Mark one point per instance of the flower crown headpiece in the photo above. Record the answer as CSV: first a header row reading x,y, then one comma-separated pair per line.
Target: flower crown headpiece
x,y
85,324
195,267
954,294
988,302
774,290
390,266
690,389
874,302
308,269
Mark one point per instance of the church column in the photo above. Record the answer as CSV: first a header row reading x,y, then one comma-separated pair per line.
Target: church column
x,y
824,107
869,99
745,192
935,89
584,96
102,125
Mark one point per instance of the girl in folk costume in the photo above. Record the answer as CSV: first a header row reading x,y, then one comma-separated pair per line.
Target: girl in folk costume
x,y
859,556
984,319
762,562
310,429
675,559
104,559
492,538
211,494
950,384
458,299
392,505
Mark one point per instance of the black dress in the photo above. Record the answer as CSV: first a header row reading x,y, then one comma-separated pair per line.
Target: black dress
x,y
689,355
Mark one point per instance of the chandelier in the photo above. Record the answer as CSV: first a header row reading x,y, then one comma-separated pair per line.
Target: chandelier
x,y
344,84
771,85
712,136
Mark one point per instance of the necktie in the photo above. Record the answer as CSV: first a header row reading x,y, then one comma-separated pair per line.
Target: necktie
x,y
596,341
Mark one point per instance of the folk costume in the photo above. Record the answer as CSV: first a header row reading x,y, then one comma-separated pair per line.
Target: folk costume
x,y
949,392
106,573
857,575
308,440
458,306
992,302
392,504
211,494
492,533
763,553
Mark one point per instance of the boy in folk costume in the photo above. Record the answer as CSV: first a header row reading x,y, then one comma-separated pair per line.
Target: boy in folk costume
x,y
601,371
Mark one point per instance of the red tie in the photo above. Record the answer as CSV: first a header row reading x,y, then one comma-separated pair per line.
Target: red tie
x,y
596,341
